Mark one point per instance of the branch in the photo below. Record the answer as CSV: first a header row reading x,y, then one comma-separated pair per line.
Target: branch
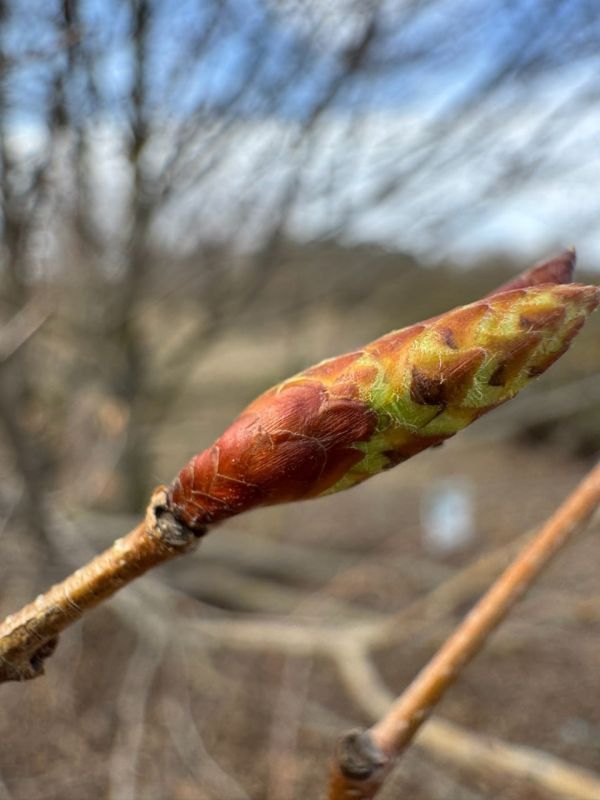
x,y
17,331
458,745
438,604
28,637
365,758
553,775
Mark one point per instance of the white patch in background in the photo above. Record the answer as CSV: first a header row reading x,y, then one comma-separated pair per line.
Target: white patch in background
x,y
448,516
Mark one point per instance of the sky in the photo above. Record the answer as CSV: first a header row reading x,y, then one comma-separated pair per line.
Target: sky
x,y
472,126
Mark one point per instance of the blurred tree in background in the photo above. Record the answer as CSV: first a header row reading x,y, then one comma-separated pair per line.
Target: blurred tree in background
x,y
154,151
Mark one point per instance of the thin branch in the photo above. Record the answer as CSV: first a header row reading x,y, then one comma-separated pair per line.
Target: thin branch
x,y
132,703
365,759
457,745
553,775
288,709
444,599
30,635
17,331
180,718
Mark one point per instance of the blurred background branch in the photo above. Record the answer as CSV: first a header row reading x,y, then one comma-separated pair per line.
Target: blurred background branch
x,y
199,198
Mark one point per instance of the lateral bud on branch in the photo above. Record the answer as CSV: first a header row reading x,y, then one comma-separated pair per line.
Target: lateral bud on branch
x,y
359,766
166,528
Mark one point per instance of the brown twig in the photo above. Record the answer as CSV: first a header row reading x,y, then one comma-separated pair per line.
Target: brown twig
x,y
365,758
28,637
470,751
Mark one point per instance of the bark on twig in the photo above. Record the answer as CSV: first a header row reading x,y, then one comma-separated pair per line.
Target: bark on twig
x,y
28,637
381,745
470,751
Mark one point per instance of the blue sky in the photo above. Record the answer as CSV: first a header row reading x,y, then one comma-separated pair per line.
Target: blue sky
x,y
421,142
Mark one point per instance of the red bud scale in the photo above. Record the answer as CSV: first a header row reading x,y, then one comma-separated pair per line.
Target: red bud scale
x,y
350,417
